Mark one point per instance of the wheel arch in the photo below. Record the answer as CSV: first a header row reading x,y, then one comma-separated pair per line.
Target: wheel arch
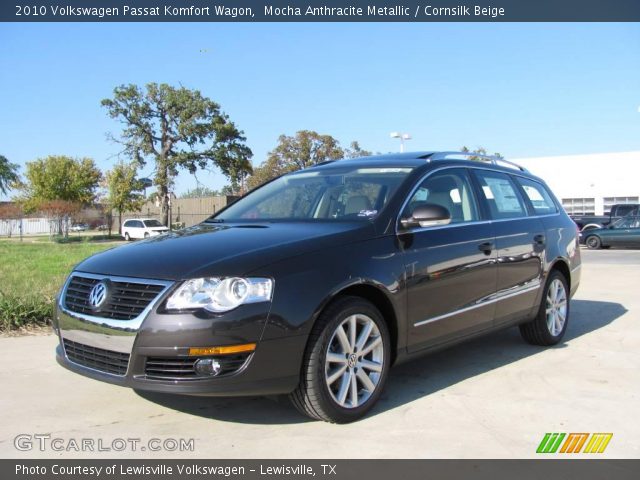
x,y
562,266
590,226
375,294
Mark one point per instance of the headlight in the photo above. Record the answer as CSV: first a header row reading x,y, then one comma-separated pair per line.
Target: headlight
x,y
220,294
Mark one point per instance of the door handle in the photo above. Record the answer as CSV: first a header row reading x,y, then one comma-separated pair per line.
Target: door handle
x,y
486,247
539,239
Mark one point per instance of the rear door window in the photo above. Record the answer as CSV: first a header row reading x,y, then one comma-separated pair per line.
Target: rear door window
x,y
538,195
501,195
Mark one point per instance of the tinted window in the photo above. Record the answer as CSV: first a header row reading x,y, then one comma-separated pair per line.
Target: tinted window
x,y
538,195
501,195
152,223
450,189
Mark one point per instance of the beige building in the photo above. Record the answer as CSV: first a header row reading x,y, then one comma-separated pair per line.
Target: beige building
x,y
589,184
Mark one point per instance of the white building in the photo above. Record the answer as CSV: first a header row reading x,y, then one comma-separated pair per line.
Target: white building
x,y
589,184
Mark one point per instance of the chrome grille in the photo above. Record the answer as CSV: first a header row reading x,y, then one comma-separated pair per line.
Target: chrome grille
x,y
107,361
183,368
127,299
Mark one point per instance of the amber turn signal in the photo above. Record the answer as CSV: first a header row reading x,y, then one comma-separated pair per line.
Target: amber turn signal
x,y
226,350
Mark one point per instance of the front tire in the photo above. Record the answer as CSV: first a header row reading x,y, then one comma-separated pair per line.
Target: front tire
x,y
346,362
550,324
592,242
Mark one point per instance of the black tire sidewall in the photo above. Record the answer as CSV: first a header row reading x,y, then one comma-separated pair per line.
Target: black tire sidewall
x,y
335,411
597,244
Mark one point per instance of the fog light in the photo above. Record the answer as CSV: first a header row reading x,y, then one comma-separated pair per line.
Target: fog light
x,y
208,367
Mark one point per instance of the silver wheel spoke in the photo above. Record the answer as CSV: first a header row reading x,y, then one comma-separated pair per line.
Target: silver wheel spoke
x,y
344,388
336,358
364,335
365,380
354,390
353,325
369,365
373,344
336,375
558,324
343,340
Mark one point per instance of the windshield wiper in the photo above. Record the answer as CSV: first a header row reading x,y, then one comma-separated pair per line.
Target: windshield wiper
x,y
214,220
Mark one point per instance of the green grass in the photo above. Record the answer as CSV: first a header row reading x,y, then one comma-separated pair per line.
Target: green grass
x,y
31,275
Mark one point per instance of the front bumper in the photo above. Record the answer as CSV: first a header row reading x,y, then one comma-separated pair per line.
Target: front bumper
x,y
273,368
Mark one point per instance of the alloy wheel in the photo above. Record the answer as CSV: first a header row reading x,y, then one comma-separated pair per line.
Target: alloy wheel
x,y
556,307
354,361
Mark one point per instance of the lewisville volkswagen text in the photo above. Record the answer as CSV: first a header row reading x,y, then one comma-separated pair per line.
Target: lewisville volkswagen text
x,y
316,283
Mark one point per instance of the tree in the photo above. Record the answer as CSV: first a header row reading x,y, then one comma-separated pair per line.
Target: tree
x,y
304,149
59,212
231,190
8,174
480,150
9,213
200,192
179,129
60,178
123,190
355,151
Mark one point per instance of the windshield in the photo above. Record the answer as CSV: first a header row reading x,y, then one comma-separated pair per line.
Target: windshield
x,y
152,223
328,194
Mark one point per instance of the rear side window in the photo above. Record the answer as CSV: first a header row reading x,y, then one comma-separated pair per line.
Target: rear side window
x,y
501,195
538,196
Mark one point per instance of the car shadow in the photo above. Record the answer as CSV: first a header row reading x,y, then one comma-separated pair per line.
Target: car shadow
x,y
409,381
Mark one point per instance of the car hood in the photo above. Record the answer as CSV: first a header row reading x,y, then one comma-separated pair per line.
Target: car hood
x,y
216,249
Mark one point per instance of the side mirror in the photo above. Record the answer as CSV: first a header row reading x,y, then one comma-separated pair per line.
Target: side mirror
x,y
427,215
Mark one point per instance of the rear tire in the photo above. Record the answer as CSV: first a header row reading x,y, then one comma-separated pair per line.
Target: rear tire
x,y
127,237
550,324
592,242
346,362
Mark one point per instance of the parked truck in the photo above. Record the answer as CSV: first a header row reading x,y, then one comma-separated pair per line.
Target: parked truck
x,y
587,222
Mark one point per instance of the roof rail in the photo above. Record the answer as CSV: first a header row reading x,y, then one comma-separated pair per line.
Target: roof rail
x,y
481,157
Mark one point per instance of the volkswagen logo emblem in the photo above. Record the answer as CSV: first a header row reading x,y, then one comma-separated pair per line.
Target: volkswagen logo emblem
x,y
98,295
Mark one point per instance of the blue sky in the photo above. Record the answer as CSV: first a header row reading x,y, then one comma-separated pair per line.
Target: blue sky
x,y
520,89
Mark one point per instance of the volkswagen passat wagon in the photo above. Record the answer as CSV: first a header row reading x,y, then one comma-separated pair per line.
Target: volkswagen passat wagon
x,y
316,283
